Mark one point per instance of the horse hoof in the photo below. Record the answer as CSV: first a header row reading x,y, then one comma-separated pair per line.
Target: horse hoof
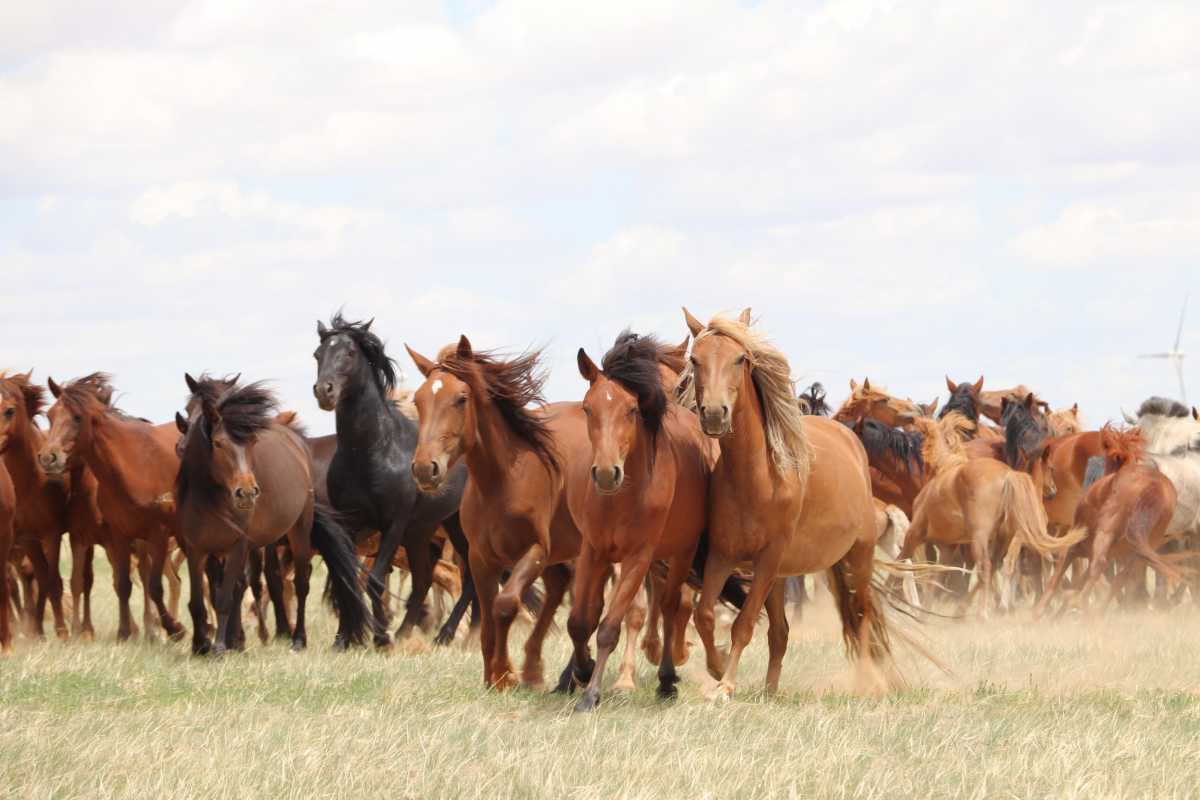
x,y
443,638
87,635
202,648
589,701
721,693
177,634
667,691
339,644
298,645
624,684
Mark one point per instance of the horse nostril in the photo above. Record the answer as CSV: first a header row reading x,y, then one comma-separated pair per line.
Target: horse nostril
x,y
434,469
329,388
256,491
725,411
595,472
617,472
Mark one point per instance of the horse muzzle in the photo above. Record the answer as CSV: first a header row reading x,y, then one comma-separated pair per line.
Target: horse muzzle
x,y
52,462
608,480
430,474
327,395
245,497
715,421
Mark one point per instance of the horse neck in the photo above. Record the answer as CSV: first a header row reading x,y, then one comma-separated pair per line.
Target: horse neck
x,y
120,451
21,459
364,419
495,447
745,449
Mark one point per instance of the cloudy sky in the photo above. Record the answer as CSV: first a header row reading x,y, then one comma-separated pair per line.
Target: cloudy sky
x,y
899,190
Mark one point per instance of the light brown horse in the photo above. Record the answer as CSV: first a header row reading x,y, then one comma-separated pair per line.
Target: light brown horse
x,y
980,502
8,512
135,465
473,406
1125,515
873,402
1068,459
49,507
790,495
643,498
245,482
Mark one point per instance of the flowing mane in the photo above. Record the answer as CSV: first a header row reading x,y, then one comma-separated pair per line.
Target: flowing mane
x,y
942,447
812,401
383,367
1168,427
512,386
633,362
772,376
92,394
1024,434
20,383
963,402
402,399
1163,407
1122,446
904,448
245,411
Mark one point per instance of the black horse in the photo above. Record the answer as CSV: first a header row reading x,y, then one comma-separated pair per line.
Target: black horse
x,y
370,480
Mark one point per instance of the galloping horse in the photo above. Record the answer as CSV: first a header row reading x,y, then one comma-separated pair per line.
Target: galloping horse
x,y
643,498
1172,441
790,495
473,409
135,466
370,479
246,482
1126,513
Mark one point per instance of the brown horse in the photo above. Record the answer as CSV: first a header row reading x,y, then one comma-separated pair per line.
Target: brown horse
x,y
790,495
245,482
473,407
135,465
873,402
980,502
48,507
642,499
1125,514
8,512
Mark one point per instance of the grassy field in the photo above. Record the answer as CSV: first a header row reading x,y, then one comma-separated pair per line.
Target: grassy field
x,y
1076,708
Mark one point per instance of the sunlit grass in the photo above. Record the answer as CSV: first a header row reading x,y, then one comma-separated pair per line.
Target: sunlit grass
x,y
1074,708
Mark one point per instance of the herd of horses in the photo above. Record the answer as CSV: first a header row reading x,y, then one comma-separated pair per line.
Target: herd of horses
x,y
685,476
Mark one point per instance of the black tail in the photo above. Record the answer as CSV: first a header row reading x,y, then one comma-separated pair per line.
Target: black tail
x,y
733,593
335,546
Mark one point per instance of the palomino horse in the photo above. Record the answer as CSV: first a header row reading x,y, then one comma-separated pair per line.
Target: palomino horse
x,y
474,408
790,495
135,465
642,499
1125,514
867,401
1065,421
246,482
370,480
980,502
8,512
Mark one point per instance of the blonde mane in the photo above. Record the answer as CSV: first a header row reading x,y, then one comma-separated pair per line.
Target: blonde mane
x,y
772,376
402,399
943,446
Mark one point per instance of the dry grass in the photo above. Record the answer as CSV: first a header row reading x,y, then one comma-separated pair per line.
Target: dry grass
x,y
1066,709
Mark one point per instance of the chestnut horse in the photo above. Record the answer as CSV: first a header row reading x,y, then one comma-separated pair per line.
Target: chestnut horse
x,y
643,498
790,495
1125,514
135,465
872,402
980,502
245,482
8,511
474,408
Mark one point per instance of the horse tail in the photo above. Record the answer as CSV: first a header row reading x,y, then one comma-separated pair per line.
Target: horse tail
x,y
1025,517
898,525
337,549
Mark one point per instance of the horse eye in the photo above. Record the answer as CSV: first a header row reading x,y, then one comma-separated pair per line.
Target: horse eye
x,y
633,411
460,401
8,414
740,360
692,359
77,418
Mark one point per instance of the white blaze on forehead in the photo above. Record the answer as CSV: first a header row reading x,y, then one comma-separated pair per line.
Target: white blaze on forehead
x,y
608,395
436,386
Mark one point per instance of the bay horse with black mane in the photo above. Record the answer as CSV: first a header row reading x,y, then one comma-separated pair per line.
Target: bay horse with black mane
x,y
245,482
642,498
370,480
473,409
789,495
135,465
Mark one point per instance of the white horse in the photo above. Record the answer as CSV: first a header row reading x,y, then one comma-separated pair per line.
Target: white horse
x,y
1172,434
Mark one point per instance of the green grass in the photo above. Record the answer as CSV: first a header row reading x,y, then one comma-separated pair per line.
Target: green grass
x,y
1074,708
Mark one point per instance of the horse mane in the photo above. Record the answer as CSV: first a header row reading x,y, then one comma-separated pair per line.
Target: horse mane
x,y
943,440
962,402
1024,434
402,399
210,389
512,386
1163,407
905,448
246,411
772,376
291,421
33,395
633,362
1122,446
813,402
91,393
383,366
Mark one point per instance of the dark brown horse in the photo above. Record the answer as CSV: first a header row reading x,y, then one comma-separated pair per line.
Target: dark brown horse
x,y
642,498
135,465
245,482
474,408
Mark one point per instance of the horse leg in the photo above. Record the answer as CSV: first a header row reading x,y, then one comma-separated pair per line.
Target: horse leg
x,y
1010,571
458,540
687,604
591,573
487,583
174,580
716,571
237,632
652,641
51,548
1061,563
6,541
201,645
556,578
863,624
35,606
777,634
377,580
1101,542
508,603
256,592
235,563
82,577
153,579
122,584
766,567
633,576
672,597
635,620
983,565
273,572
420,567
303,566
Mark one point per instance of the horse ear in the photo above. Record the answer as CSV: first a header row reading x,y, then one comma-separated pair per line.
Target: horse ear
x,y
933,406
1075,409
853,385
55,389
681,349
464,347
693,324
105,395
1195,414
368,323
744,317
181,423
322,331
424,365
1004,402
950,385
979,385
192,385
866,384
1128,419
587,367
1029,401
